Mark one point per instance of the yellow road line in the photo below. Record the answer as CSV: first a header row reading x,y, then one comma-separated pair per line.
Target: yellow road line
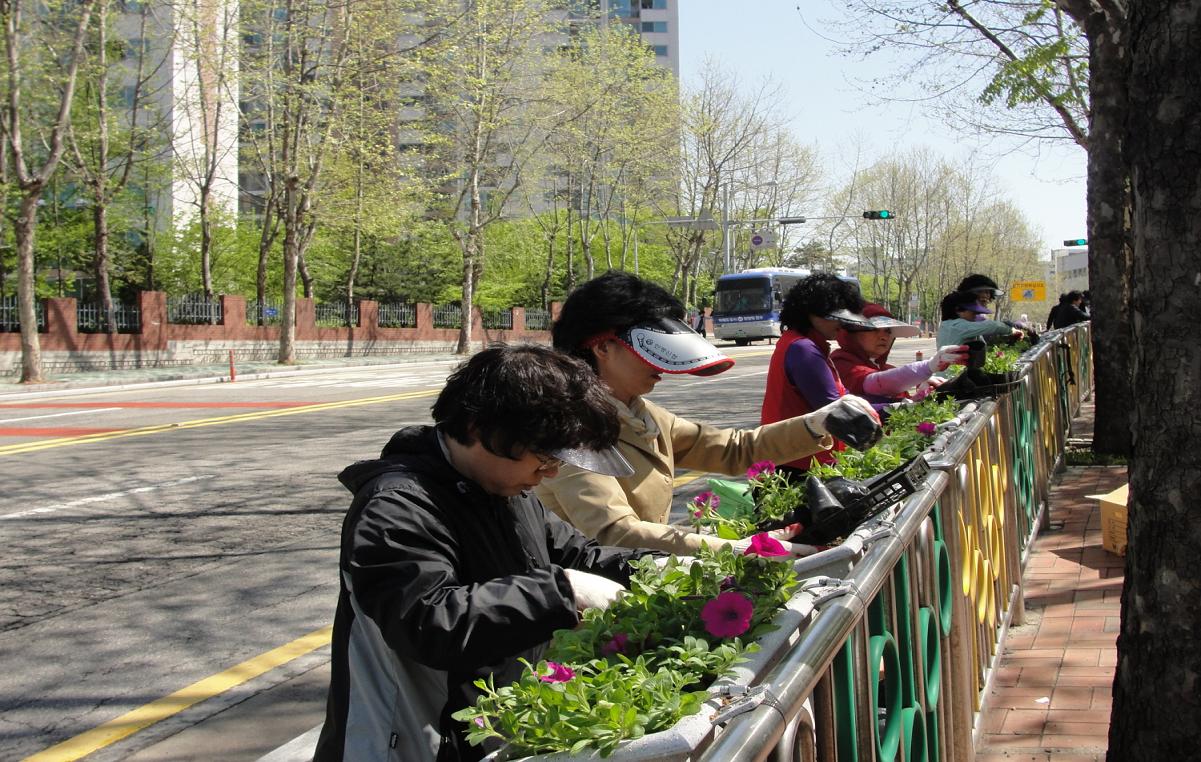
x,y
144,716
47,444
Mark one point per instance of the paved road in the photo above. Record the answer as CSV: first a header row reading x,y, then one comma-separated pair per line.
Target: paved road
x,y
165,543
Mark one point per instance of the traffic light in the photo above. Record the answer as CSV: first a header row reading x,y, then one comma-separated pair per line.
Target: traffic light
x,y
877,214
1076,242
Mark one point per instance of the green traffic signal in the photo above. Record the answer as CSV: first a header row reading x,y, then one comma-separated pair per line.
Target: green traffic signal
x,y
1076,242
877,214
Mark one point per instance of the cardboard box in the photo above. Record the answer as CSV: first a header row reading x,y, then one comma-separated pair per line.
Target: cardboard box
x,y
1113,519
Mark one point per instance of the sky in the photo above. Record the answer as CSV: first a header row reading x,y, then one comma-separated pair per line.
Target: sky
x,y
771,38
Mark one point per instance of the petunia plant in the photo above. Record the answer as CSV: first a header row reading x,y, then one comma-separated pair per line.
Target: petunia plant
x,y
643,663
774,497
907,432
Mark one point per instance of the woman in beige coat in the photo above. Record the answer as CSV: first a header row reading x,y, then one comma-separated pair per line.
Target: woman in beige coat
x,y
631,332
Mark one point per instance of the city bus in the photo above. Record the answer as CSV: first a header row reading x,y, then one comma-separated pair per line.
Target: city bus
x,y
746,305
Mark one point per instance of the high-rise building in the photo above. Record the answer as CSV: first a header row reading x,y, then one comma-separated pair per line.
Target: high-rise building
x,y
658,21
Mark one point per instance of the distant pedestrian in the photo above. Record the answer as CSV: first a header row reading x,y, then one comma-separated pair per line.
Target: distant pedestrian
x,y
698,321
1068,311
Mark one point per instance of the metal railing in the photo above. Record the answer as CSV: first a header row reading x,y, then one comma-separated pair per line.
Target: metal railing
x,y
194,309
336,314
397,316
909,615
264,313
90,318
10,318
537,320
497,319
448,316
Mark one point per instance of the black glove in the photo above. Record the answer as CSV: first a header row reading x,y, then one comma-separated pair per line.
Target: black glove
x,y
849,418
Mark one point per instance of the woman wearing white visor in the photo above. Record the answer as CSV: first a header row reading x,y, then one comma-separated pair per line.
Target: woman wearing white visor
x,y
631,332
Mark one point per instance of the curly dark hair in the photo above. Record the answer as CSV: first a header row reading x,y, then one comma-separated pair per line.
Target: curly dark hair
x,y
521,397
818,294
975,281
613,302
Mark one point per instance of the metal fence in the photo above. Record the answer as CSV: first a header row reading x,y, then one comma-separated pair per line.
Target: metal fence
x,y
907,618
264,313
497,319
194,309
336,314
448,316
10,318
397,316
537,320
90,318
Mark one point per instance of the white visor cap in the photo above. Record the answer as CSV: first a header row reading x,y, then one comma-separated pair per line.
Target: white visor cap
x,y
899,328
668,345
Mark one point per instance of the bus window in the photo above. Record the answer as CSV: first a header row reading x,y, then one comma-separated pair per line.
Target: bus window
x,y
742,296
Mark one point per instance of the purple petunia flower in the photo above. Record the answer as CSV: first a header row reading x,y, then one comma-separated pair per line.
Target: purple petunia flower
x,y
927,428
706,499
618,644
765,546
559,673
728,615
762,467
479,722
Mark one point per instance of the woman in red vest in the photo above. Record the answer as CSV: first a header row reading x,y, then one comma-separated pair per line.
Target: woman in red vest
x,y
801,378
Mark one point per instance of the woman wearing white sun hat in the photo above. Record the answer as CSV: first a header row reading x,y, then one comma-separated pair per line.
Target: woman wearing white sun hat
x,y
631,332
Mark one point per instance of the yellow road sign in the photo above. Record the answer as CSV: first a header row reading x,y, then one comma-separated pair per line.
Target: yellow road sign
x,y
1028,291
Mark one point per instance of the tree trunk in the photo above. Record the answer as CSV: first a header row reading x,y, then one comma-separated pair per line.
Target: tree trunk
x,y
468,245
302,268
206,248
1157,697
103,287
1108,240
31,351
287,326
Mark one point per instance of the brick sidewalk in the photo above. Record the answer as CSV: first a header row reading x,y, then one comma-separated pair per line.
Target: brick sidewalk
x,y
1051,695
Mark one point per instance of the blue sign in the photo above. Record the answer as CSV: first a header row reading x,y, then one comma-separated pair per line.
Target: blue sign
x,y
270,312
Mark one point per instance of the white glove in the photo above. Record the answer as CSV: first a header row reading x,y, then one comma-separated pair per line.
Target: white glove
x,y
849,418
945,357
592,591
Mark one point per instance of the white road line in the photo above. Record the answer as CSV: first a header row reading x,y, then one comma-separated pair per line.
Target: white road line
x,y
58,415
104,497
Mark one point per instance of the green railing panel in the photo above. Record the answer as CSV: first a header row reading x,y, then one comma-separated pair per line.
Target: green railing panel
x,y
884,673
913,725
930,637
845,719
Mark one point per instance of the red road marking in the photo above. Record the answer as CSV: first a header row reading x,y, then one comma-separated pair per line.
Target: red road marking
x,y
149,405
55,432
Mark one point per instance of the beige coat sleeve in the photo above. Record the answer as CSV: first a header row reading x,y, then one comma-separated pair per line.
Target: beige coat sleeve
x,y
732,451
597,505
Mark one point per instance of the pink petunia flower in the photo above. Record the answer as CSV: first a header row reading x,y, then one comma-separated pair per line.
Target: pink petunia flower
x,y
926,428
706,499
764,545
762,467
559,673
728,615
619,643
479,722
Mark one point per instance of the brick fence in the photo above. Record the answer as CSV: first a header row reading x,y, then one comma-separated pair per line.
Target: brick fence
x,y
160,343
